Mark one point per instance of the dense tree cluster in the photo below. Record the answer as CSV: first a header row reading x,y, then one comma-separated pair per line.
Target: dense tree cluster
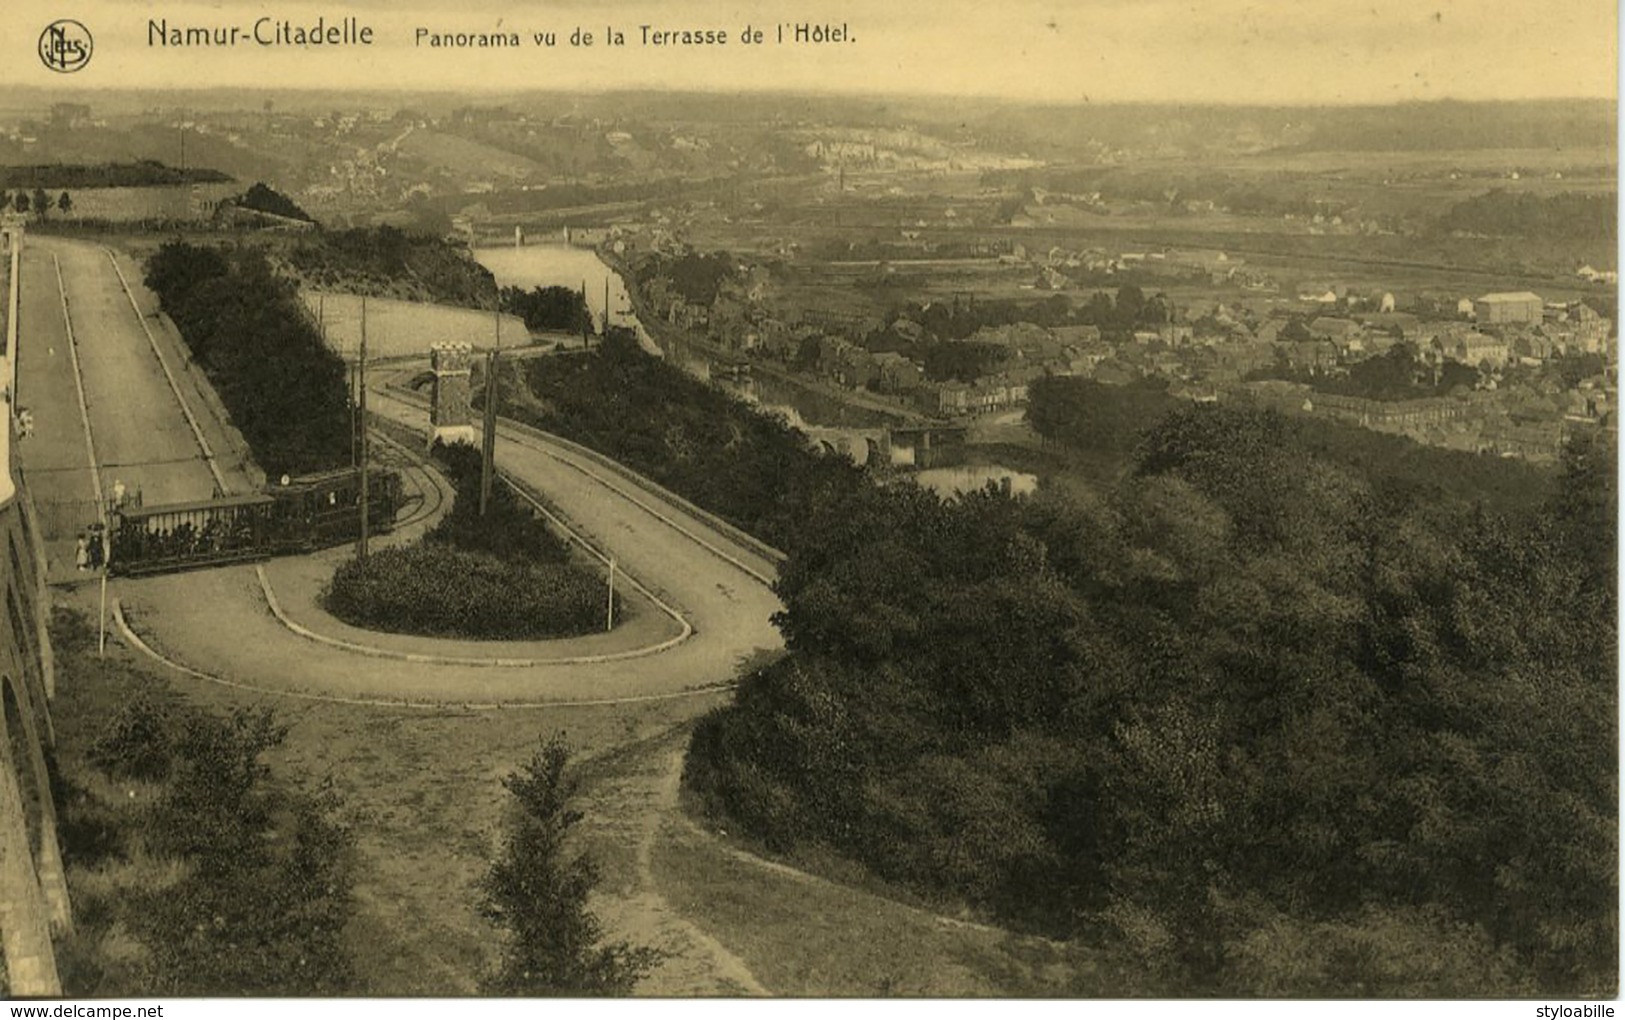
x,y
141,174
544,308
961,361
1279,707
696,276
1396,374
385,261
1265,716
695,439
263,198
285,391
1105,424
1569,216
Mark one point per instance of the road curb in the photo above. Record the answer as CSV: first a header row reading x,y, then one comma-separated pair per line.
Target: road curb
x,y
135,641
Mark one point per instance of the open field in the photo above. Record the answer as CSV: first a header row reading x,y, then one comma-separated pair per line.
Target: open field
x,y
1440,161
406,328
194,202
466,158
806,936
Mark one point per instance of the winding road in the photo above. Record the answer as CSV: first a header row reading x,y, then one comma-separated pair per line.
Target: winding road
x,y
152,428
700,595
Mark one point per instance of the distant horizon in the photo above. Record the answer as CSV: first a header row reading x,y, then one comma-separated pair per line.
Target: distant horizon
x,y
495,96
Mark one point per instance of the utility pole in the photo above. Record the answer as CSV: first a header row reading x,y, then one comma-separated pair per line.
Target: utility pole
x,y
349,370
605,331
609,615
355,458
361,375
488,444
586,319
101,626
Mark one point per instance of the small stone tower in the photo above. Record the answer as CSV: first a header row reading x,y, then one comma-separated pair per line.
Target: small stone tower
x,y
449,411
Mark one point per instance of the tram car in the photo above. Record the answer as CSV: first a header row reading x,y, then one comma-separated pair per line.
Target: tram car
x,y
180,536
296,515
322,510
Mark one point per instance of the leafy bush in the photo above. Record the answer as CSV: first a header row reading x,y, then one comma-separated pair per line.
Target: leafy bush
x,y
219,878
262,908
441,591
503,576
137,744
539,893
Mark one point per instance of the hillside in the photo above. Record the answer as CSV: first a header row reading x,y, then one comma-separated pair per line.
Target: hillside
x,y
139,174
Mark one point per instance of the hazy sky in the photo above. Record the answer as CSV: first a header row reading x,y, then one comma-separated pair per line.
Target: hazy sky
x,y
1252,51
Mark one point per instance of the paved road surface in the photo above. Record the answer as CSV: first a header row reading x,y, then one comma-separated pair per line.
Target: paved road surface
x,y
714,582
54,457
216,622
142,436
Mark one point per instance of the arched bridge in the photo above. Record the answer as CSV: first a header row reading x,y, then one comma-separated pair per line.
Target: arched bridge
x,y
899,446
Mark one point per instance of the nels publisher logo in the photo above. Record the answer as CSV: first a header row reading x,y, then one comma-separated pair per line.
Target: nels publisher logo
x,y
65,46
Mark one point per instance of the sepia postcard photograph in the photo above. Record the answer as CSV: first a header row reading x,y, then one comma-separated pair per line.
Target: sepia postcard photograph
x,y
803,499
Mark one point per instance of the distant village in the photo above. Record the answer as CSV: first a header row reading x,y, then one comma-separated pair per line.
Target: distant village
x,y
1508,373
1486,366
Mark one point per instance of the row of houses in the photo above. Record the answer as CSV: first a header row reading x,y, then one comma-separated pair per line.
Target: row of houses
x,y
995,393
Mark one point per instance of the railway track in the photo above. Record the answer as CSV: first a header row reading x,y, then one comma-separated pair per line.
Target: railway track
x,y
416,472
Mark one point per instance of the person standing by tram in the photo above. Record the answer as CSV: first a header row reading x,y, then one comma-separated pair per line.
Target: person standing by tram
x,y
98,546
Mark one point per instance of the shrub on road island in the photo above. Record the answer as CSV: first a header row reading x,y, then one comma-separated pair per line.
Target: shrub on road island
x,y
435,590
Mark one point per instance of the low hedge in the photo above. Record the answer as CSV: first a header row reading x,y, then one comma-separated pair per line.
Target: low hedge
x,y
435,590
